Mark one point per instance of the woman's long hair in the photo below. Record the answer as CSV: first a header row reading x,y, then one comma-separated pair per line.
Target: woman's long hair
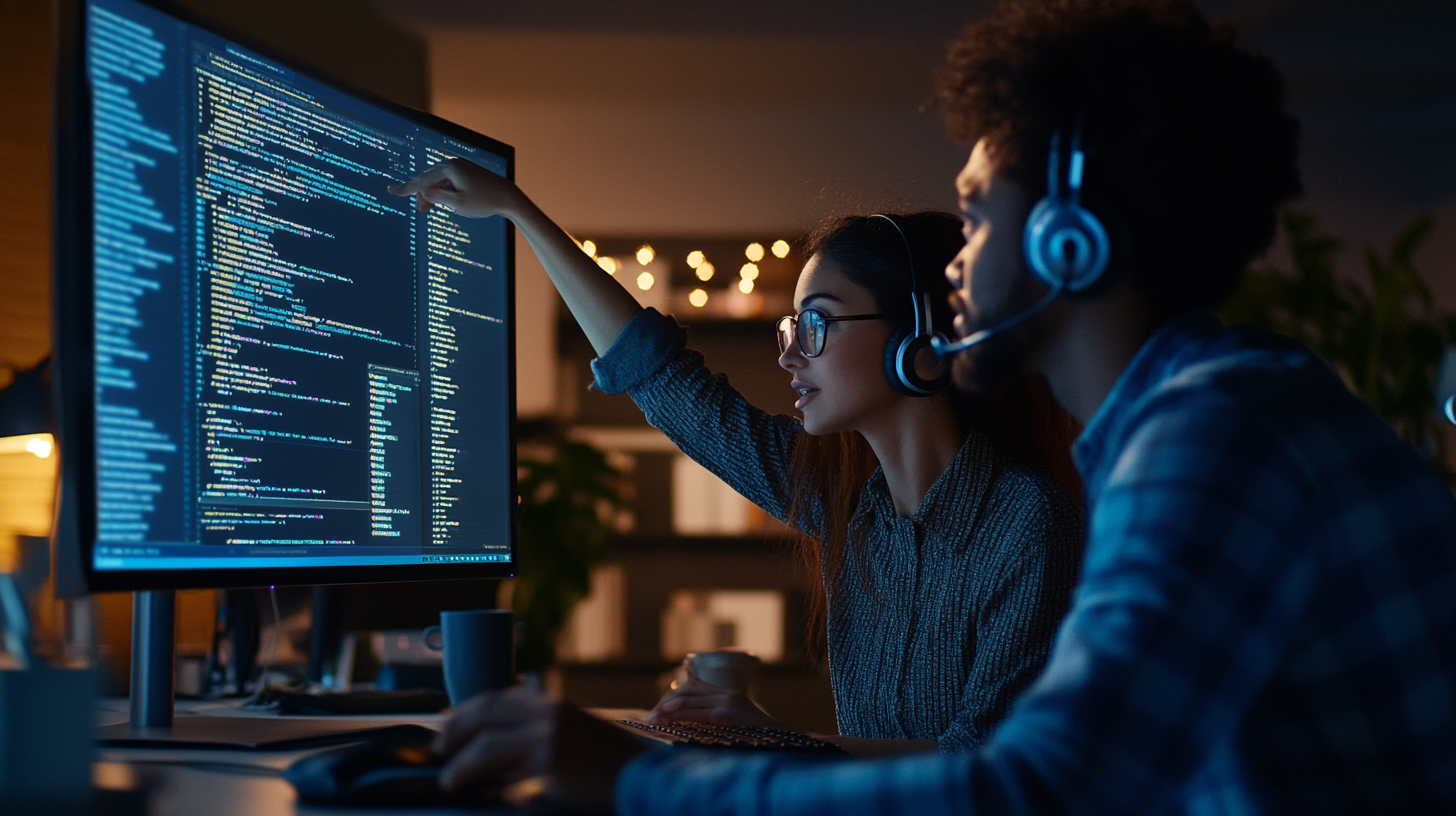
x,y
1020,418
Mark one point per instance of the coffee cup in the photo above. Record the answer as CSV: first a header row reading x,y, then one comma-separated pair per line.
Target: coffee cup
x,y
480,651
726,669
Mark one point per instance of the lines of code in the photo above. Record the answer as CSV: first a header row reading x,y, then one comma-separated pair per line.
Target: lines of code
x,y
291,363
308,283
134,244
450,274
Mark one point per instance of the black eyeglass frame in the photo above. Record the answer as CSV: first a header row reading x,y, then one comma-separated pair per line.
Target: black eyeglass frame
x,y
796,329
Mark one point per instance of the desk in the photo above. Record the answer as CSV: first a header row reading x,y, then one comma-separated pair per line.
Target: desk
x,y
235,783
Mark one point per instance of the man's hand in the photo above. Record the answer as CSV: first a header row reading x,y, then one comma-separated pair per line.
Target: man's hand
x,y
463,186
694,699
499,738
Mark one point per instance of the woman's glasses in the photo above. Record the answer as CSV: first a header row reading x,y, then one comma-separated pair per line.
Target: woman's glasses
x,y
809,328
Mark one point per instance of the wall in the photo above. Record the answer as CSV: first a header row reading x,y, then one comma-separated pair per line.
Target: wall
x,y
758,116
25,66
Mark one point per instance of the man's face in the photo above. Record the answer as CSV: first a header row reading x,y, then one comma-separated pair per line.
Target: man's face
x,y
989,275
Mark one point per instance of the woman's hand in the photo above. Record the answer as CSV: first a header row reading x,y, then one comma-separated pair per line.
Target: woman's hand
x,y
601,306
694,699
496,739
463,186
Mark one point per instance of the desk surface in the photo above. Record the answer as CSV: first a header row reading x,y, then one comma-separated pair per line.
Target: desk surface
x,y
236,783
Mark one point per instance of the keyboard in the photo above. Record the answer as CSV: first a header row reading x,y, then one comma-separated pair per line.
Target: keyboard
x,y
707,735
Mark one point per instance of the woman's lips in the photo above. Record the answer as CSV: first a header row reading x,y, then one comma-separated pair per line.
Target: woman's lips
x,y
805,391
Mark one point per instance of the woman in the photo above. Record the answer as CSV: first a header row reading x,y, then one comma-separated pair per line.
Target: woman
x,y
945,544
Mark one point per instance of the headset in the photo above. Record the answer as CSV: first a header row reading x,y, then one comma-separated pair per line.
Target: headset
x,y
1065,246
908,345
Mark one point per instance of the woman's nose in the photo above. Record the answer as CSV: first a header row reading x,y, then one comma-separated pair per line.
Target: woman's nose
x,y
790,359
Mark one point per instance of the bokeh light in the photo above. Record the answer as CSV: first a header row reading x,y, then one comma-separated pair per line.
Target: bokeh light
x,y
745,286
780,249
645,255
705,271
40,444
589,247
698,298
749,272
609,263
645,281
695,259
754,252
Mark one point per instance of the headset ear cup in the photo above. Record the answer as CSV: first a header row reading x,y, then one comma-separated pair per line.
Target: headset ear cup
x,y
1055,225
902,353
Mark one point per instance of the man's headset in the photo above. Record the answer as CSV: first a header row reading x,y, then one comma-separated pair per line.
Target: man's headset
x,y
1065,246
908,346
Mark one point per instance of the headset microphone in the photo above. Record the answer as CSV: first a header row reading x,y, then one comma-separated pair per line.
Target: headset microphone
x,y
1065,246
946,348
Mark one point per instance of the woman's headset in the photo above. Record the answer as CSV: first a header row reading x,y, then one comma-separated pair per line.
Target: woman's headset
x,y
1065,246
911,363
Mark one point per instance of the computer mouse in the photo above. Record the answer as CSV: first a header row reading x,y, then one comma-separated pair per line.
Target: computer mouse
x,y
396,768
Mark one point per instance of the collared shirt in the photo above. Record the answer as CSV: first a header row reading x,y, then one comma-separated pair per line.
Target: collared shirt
x,y
1265,623
940,619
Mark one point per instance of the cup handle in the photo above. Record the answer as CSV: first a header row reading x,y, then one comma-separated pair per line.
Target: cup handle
x,y
434,630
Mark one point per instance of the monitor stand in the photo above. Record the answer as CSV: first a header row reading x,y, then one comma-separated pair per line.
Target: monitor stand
x,y
152,725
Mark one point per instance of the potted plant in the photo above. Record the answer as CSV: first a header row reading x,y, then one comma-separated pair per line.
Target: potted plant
x,y
1385,338
570,497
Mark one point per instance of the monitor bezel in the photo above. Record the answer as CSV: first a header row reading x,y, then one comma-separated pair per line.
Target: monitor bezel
x,y
74,342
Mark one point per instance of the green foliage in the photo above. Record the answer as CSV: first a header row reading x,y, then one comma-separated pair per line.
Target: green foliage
x,y
1385,338
570,496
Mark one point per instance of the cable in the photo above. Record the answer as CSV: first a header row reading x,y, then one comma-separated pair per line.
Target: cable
x,y
271,651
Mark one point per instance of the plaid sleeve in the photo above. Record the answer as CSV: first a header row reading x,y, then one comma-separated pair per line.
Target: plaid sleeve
x,y
1193,584
1197,576
702,782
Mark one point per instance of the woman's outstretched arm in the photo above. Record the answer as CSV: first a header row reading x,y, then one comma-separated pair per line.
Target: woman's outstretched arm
x,y
599,303
709,420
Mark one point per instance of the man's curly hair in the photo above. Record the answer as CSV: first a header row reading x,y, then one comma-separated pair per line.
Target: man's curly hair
x,y
1189,150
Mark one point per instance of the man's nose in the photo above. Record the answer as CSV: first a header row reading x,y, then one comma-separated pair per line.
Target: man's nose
x,y
953,272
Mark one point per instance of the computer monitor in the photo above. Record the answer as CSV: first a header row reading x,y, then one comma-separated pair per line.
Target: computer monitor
x,y
269,370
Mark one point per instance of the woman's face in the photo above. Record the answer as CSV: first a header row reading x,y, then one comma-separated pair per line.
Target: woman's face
x,y
844,388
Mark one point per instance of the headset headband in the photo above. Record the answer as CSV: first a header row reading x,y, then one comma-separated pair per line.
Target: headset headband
x,y
919,298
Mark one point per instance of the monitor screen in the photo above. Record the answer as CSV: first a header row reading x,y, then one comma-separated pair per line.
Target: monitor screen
x,y
274,371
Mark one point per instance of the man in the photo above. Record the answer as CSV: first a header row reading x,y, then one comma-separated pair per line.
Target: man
x,y
1266,620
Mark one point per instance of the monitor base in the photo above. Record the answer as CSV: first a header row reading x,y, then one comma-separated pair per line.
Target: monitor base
x,y
243,733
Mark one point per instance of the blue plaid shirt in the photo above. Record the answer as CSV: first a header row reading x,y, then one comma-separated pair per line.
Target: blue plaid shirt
x,y
1266,621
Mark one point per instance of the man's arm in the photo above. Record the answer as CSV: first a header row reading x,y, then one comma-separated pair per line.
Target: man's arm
x,y
1193,587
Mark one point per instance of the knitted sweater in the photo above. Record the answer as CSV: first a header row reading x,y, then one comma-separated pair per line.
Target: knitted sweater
x,y
940,619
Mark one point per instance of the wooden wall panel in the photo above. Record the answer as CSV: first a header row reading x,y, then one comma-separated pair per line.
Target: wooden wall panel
x,y
25,70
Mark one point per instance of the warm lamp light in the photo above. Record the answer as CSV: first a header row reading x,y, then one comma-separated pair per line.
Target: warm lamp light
x,y
749,272
780,249
39,444
705,271
645,255
695,259
745,286
609,264
589,247
698,298
645,281
754,252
